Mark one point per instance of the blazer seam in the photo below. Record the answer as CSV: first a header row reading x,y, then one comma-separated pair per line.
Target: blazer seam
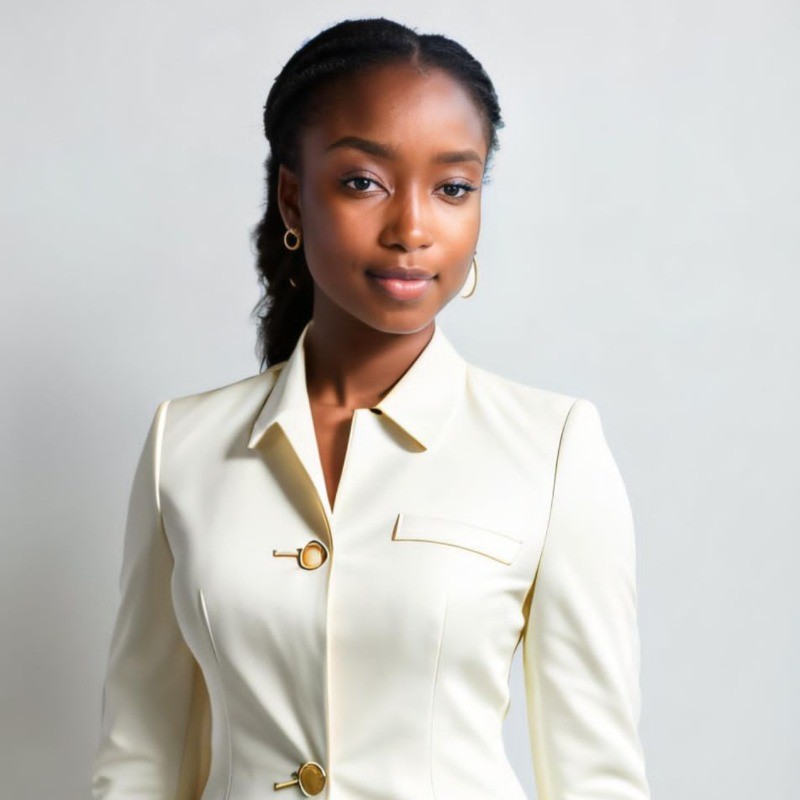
x,y
555,474
161,422
184,752
223,698
529,597
160,426
434,693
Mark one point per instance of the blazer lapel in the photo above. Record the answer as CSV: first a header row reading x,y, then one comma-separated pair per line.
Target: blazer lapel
x,y
420,403
288,406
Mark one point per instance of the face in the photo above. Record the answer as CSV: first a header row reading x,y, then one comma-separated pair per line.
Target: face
x,y
390,179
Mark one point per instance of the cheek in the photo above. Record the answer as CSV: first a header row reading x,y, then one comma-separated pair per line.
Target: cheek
x,y
466,224
335,243
455,252
336,225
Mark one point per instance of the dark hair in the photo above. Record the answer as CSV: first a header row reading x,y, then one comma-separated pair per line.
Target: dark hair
x,y
334,53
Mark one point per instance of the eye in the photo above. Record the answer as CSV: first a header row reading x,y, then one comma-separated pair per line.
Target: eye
x,y
361,188
466,187
362,185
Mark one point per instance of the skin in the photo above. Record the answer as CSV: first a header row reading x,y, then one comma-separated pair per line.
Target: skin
x,y
357,209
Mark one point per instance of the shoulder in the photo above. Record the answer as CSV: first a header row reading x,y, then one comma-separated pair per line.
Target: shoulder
x,y
537,408
227,393
221,412
562,428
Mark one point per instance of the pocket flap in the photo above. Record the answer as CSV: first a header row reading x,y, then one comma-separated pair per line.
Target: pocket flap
x,y
424,528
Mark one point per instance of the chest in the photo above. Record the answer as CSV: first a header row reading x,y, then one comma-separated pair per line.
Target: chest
x,y
412,537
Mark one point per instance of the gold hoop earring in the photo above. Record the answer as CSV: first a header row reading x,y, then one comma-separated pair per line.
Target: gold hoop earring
x,y
475,280
296,233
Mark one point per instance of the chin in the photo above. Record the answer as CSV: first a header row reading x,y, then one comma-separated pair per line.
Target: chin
x,y
401,322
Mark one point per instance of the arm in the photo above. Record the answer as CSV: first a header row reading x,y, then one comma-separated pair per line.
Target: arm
x,y
581,650
150,680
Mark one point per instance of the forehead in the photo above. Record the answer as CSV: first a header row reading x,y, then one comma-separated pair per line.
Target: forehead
x,y
409,109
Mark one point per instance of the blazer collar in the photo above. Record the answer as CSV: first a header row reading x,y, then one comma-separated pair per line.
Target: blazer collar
x,y
420,403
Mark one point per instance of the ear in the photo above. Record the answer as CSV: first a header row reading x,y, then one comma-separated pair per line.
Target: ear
x,y
289,197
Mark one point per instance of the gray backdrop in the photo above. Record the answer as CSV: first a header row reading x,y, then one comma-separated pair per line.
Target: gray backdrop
x,y
639,248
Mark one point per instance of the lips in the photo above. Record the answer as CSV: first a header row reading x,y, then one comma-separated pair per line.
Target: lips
x,y
401,273
401,284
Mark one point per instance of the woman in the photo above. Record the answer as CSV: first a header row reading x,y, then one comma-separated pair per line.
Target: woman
x,y
329,565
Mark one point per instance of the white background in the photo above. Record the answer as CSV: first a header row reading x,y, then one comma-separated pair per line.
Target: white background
x,y
639,248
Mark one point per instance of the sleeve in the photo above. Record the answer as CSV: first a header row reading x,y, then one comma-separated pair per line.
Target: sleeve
x,y
581,648
151,687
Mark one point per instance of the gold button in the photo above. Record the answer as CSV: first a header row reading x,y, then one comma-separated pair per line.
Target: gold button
x,y
310,777
312,556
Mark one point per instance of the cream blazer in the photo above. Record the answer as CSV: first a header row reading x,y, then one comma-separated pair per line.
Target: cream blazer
x,y
267,645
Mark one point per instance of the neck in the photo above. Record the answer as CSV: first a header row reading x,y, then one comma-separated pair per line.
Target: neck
x,y
352,366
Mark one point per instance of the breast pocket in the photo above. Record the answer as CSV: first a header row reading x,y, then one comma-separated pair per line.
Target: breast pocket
x,y
493,544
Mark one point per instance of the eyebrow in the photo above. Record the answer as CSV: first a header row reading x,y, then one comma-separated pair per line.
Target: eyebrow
x,y
385,151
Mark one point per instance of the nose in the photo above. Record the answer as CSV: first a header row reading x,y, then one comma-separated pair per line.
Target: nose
x,y
408,224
